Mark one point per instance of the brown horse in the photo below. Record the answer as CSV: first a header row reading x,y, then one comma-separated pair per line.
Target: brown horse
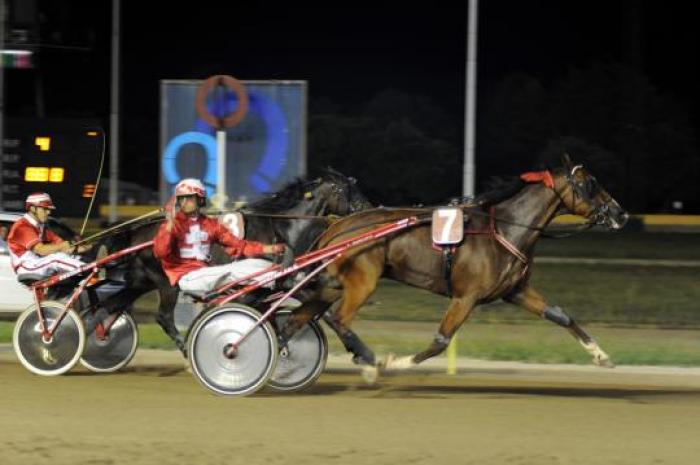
x,y
492,262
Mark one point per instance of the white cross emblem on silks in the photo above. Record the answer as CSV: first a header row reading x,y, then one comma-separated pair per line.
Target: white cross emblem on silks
x,y
197,239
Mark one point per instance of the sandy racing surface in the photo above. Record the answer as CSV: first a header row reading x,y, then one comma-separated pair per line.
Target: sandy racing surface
x,y
156,413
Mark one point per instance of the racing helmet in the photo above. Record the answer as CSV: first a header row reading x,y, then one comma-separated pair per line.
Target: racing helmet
x,y
39,199
190,186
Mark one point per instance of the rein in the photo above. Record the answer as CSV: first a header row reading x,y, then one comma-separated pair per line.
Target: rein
x,y
291,217
272,215
578,229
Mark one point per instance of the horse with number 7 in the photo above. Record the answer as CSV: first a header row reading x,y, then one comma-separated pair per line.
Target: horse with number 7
x,y
493,260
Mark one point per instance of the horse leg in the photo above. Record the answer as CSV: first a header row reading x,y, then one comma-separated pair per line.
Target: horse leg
x,y
326,307
299,317
358,283
457,313
166,316
362,355
533,301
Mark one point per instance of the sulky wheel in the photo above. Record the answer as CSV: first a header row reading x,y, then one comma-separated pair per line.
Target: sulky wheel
x,y
216,366
111,341
302,361
53,356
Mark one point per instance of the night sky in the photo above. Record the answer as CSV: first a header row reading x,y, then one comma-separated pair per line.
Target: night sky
x,y
347,51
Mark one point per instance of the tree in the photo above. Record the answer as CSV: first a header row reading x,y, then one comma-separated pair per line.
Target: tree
x,y
606,114
396,147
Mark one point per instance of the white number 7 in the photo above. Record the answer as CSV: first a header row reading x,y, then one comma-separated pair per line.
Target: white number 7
x,y
450,215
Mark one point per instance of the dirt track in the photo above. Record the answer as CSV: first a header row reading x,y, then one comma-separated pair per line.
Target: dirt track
x,y
158,414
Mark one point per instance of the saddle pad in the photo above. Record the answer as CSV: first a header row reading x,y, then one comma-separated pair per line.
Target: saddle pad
x,y
448,226
235,222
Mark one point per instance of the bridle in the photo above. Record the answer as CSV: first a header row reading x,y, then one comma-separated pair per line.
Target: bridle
x,y
342,191
586,190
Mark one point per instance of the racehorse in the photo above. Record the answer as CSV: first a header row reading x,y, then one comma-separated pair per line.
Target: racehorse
x,y
492,262
295,215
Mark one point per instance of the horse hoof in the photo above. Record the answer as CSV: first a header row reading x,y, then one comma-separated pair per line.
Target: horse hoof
x,y
370,373
392,362
604,362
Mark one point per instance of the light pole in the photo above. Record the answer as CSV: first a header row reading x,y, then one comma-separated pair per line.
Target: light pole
x,y
469,137
470,103
114,116
2,88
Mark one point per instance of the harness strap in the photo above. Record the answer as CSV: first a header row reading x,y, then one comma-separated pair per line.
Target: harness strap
x,y
447,260
508,245
505,242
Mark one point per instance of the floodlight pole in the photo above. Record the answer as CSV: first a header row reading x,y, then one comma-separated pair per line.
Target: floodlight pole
x,y
2,88
114,117
469,137
470,103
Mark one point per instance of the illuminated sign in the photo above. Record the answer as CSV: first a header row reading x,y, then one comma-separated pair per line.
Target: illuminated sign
x,y
207,142
56,174
57,156
36,174
43,174
44,143
263,153
88,191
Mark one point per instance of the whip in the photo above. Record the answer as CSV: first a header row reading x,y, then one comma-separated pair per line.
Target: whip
x,y
118,226
97,182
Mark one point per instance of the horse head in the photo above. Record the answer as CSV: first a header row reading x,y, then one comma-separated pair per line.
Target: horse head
x,y
582,195
341,194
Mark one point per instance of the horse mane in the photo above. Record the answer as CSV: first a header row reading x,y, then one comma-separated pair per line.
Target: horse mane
x,y
284,199
290,195
499,189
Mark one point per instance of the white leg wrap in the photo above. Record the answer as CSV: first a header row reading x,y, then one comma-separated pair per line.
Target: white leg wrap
x,y
370,373
393,362
600,358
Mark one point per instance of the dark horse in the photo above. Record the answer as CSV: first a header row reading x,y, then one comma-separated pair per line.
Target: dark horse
x,y
493,260
296,215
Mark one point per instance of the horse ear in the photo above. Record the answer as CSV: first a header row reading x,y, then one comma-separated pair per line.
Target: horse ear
x,y
566,161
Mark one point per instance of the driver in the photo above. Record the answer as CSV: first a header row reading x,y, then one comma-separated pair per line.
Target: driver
x,y
183,243
34,248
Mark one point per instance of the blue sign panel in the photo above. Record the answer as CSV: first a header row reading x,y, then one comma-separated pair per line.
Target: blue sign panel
x,y
263,153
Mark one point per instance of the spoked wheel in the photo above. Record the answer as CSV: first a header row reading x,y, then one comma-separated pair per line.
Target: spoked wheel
x,y
54,356
229,372
111,341
300,363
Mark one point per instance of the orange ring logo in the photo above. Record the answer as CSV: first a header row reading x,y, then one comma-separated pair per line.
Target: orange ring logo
x,y
232,84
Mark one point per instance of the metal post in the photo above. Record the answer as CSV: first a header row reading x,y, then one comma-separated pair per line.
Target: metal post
x,y
114,117
304,123
469,137
221,197
2,90
469,118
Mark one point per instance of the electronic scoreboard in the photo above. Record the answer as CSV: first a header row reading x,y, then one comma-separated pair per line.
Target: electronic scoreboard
x,y
58,156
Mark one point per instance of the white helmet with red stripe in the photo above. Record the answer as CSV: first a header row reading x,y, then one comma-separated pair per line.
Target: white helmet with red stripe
x,y
190,186
39,199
